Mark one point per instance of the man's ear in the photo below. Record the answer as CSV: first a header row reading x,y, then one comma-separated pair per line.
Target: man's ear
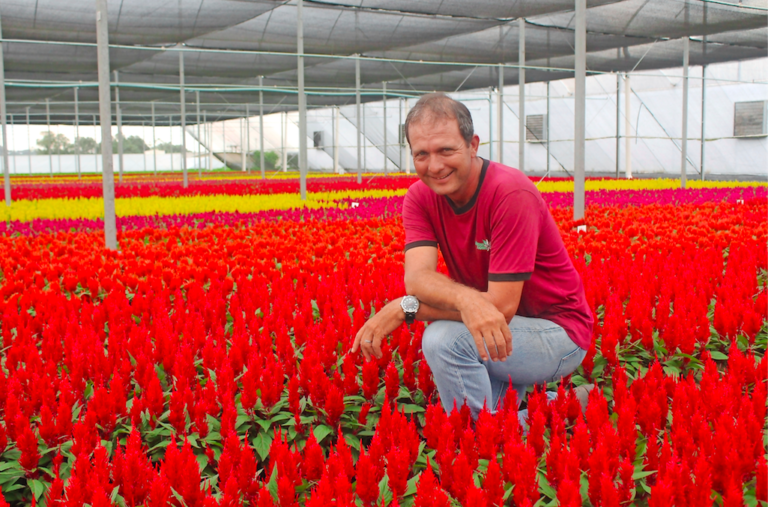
x,y
474,145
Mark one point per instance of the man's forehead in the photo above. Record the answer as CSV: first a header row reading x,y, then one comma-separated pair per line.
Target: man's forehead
x,y
433,120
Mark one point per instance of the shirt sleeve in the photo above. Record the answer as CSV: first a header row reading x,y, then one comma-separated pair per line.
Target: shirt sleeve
x,y
515,227
418,227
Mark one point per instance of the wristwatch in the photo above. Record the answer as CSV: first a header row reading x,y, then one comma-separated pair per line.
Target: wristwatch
x,y
410,306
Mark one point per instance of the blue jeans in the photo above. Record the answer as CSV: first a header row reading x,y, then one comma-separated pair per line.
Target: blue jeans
x,y
541,352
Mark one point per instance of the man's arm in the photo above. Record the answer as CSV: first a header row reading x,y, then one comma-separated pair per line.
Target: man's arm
x,y
486,314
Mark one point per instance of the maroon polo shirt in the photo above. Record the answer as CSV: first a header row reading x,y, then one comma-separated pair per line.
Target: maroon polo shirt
x,y
504,233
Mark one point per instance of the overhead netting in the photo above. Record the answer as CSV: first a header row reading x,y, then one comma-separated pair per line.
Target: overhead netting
x,y
413,46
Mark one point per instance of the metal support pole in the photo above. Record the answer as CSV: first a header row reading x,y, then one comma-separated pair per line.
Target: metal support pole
x,y
500,113
119,113
284,139
399,127
48,125
199,141
618,121
261,127
302,102
77,133
3,123
580,109
154,140
684,140
547,126
29,144
13,142
95,151
143,151
407,147
183,100
384,90
241,125
170,135
247,134
108,180
627,128
337,113
490,123
358,118
209,138
521,92
703,117
365,148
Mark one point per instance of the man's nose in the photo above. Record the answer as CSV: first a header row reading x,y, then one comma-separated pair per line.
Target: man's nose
x,y
435,164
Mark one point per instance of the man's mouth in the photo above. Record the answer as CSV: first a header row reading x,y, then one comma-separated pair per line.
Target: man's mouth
x,y
442,177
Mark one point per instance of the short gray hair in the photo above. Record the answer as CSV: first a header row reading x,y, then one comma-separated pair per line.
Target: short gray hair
x,y
437,106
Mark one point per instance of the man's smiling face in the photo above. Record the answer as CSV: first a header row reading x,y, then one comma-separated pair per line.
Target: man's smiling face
x,y
443,160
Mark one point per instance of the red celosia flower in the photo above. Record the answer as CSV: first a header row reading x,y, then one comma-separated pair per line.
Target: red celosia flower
x,y
370,379
314,460
367,480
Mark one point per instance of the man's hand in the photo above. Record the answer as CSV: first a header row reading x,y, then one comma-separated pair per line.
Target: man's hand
x,y
487,324
369,337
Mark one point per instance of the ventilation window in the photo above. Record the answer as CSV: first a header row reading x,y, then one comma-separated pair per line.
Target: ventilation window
x,y
317,139
749,118
402,138
536,128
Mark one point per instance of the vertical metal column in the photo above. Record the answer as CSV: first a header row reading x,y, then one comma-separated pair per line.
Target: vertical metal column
x,y
357,119
247,134
199,139
337,113
302,101
170,135
77,132
3,123
399,132
48,125
580,109
547,127
119,113
365,150
183,100
703,117
384,89
284,139
143,151
95,151
241,125
521,93
209,139
29,142
684,140
261,127
407,145
618,121
500,113
490,123
627,128
15,171
105,112
154,140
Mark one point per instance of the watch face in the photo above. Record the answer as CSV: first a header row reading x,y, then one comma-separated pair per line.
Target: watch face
x,y
410,304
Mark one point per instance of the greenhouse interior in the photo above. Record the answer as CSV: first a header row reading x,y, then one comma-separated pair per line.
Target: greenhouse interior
x,y
227,280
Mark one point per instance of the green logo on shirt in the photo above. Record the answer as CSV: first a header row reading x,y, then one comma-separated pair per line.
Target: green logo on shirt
x,y
485,245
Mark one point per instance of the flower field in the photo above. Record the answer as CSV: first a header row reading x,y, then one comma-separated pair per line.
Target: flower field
x,y
205,363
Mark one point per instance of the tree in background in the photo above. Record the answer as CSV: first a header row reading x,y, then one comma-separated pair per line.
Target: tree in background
x,y
270,159
169,148
133,144
51,143
85,145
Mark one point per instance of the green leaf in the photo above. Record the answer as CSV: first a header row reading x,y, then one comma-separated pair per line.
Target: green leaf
x,y
641,474
718,356
262,443
272,484
321,431
37,487
385,494
411,409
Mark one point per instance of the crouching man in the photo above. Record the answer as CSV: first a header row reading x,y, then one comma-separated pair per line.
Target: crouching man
x,y
513,305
